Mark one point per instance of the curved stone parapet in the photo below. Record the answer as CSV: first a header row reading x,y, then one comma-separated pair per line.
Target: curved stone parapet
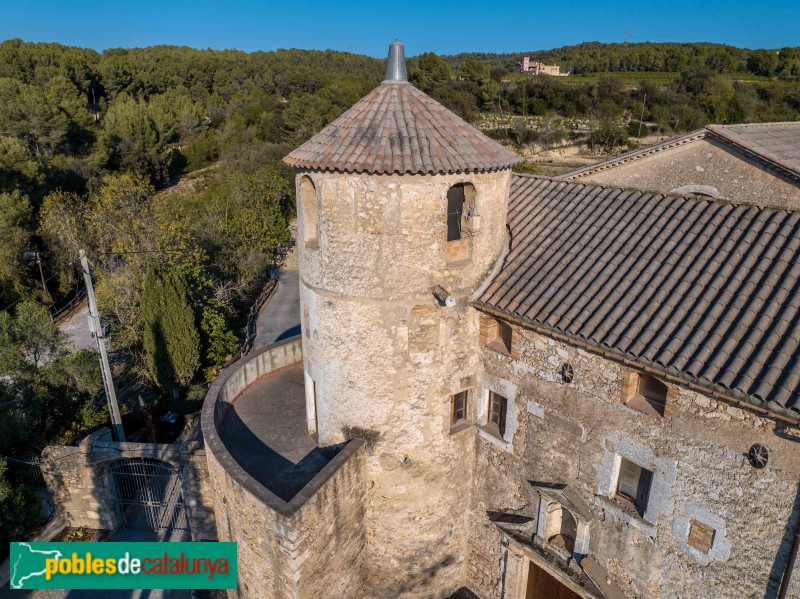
x,y
307,547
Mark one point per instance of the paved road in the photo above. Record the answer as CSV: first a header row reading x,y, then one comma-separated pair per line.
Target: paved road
x,y
77,329
280,317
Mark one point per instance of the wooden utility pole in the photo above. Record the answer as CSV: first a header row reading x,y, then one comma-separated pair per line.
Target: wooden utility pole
x,y
97,330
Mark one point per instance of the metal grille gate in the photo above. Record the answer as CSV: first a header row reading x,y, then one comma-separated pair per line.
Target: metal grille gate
x,y
148,495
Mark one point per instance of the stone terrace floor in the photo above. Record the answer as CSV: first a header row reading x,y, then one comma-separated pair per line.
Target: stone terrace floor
x,y
265,431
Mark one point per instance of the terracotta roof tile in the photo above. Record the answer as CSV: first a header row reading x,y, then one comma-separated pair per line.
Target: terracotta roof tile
x,y
396,128
704,290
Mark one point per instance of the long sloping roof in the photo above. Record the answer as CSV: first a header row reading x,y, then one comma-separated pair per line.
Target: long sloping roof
x,y
775,145
703,290
396,128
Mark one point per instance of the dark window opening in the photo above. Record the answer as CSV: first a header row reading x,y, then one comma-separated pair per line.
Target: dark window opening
x,y
652,389
455,211
633,485
458,411
497,411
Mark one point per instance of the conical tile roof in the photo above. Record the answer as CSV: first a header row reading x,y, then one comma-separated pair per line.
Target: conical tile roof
x,y
396,128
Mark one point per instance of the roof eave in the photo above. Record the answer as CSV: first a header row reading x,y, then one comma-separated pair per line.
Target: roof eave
x,y
716,391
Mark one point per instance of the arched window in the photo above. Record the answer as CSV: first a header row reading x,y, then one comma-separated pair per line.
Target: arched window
x,y
461,213
561,528
308,210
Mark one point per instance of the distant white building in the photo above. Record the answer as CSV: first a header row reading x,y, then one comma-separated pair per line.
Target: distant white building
x,y
538,68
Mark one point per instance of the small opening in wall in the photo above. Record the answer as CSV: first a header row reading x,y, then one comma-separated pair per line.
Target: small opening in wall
x,y
633,485
567,373
650,397
561,528
461,221
455,211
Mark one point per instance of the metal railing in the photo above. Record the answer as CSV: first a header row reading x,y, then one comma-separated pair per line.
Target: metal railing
x,y
252,316
71,305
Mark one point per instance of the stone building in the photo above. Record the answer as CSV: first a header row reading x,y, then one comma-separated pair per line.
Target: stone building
x,y
524,386
756,163
538,68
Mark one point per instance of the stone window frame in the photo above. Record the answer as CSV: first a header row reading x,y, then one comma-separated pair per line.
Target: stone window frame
x,y
644,477
664,471
497,412
458,252
720,548
487,430
466,421
582,535
462,384
633,399
308,212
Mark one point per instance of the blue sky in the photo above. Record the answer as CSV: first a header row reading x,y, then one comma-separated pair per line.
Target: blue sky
x,y
364,27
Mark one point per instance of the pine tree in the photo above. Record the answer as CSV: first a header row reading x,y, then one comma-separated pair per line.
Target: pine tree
x,y
170,338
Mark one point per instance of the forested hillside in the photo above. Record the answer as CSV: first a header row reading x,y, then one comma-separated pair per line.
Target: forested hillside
x,y
594,57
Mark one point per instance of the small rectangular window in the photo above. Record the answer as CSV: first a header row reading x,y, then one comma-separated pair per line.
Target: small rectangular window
x,y
458,410
497,411
633,485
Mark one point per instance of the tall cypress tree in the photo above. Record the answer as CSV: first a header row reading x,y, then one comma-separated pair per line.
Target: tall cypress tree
x,y
170,337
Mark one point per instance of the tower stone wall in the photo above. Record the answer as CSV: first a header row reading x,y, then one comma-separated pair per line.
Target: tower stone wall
x,y
383,357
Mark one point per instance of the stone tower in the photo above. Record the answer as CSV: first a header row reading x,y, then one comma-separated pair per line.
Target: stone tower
x,y
396,199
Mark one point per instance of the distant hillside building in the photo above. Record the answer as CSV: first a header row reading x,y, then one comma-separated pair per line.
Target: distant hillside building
x,y
538,68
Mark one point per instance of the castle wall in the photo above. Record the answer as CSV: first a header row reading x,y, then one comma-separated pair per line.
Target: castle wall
x,y
704,162
571,434
385,358
308,548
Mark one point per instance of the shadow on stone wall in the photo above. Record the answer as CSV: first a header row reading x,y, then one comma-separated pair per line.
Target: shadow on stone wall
x,y
420,580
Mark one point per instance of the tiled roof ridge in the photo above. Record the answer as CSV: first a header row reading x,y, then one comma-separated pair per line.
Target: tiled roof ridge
x,y
723,133
637,154
654,194
720,132
746,125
